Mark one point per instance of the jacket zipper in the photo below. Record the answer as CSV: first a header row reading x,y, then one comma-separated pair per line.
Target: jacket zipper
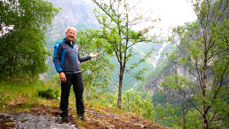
x,y
74,58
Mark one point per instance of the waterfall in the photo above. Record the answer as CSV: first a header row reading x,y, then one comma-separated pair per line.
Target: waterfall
x,y
159,55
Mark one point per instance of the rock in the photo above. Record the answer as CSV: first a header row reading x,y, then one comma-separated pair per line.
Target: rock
x,y
29,121
110,126
10,124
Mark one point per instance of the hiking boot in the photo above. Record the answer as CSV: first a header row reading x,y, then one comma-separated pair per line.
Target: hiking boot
x,y
81,117
64,113
66,119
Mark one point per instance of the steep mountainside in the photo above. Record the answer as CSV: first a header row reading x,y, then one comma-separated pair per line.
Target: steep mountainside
x,y
72,13
80,14
163,68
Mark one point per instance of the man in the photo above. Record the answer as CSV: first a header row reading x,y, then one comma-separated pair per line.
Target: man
x,y
67,61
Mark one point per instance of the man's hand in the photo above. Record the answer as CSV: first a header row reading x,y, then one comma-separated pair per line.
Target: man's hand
x,y
62,77
92,55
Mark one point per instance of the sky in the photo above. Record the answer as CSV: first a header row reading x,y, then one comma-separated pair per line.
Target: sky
x,y
171,12
175,12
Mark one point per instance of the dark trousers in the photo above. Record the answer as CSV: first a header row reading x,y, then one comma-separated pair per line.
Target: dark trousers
x,y
78,87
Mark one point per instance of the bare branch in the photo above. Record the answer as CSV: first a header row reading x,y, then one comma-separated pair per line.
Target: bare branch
x,y
192,103
107,13
220,85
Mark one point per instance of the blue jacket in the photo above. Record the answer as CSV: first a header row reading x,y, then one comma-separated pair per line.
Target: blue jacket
x,y
66,57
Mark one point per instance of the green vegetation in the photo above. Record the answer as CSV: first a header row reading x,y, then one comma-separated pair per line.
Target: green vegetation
x,y
134,74
96,72
22,96
48,94
23,54
198,86
194,91
117,30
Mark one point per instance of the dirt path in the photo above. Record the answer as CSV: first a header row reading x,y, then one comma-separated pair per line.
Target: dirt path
x,y
108,120
41,117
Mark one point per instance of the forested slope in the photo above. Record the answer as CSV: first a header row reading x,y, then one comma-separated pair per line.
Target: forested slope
x,y
188,88
194,82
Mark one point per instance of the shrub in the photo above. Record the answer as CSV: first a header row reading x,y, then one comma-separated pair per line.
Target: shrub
x,y
48,94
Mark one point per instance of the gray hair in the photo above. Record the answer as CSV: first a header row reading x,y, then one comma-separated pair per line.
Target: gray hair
x,y
73,28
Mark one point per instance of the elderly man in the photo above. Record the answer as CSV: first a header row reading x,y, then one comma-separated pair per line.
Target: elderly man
x,y
67,61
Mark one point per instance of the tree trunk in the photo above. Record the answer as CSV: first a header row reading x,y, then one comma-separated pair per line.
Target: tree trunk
x,y
204,100
12,68
183,112
120,87
204,85
13,60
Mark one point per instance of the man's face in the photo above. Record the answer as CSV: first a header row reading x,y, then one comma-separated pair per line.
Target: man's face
x,y
70,34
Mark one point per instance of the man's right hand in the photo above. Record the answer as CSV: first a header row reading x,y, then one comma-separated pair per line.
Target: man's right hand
x,y
62,77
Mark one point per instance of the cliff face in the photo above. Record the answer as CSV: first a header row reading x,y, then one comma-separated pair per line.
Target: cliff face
x,y
163,68
153,84
72,13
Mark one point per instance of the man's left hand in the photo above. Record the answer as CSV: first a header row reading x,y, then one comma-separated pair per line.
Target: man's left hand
x,y
92,55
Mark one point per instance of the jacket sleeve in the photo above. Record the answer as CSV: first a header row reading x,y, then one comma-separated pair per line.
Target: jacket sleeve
x,y
56,57
82,59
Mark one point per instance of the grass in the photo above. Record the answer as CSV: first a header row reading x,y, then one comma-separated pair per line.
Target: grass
x,y
17,97
24,97
21,96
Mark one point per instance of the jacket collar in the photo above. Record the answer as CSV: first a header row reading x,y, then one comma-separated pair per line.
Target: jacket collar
x,y
73,42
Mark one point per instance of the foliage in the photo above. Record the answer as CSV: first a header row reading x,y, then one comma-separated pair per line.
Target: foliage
x,y
203,53
48,94
22,49
135,102
159,98
22,95
131,80
114,16
96,72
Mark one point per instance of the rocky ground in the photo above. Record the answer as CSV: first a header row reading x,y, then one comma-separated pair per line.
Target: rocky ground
x,y
41,117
